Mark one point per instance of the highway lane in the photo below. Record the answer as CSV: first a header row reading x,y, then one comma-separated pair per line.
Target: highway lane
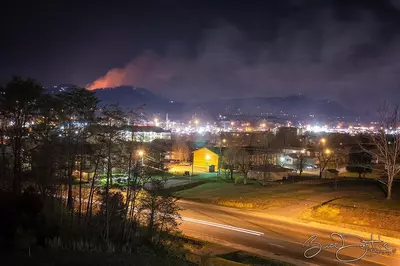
x,y
267,235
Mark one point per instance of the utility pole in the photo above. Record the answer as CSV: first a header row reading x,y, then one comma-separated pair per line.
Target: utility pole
x,y
221,141
192,166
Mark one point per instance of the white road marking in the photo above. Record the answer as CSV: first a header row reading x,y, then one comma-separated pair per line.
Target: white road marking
x,y
228,227
276,245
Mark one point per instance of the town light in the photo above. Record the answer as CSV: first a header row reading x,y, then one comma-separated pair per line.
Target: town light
x,y
196,122
141,153
328,151
224,140
323,141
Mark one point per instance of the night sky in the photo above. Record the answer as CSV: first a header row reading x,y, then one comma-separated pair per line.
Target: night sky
x,y
347,50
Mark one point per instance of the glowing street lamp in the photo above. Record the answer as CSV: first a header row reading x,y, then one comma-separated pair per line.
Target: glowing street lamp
x,y
141,154
328,151
323,141
196,121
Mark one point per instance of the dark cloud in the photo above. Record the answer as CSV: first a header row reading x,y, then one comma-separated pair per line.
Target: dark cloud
x,y
324,56
347,50
395,3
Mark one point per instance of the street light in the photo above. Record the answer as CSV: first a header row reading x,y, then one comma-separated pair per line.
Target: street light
x,y
328,151
323,141
141,154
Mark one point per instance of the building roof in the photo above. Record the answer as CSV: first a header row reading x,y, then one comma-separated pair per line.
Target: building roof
x,y
261,150
217,150
211,149
292,155
145,129
293,148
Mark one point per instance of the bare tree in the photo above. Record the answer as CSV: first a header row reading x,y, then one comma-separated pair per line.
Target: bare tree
x,y
340,158
243,162
19,105
160,211
112,121
300,163
324,158
229,161
181,151
323,154
387,146
97,158
78,108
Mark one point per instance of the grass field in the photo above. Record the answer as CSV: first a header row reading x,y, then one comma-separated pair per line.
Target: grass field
x,y
360,193
364,208
373,174
252,195
361,204
249,259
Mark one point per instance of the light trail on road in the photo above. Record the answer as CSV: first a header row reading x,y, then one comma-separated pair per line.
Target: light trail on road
x,y
228,227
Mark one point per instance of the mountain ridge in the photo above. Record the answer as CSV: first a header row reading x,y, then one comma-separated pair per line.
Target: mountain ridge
x,y
291,106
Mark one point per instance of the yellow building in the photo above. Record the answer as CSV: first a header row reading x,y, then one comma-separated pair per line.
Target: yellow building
x,y
205,157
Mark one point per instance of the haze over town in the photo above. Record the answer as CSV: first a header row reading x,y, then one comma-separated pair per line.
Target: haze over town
x,y
174,132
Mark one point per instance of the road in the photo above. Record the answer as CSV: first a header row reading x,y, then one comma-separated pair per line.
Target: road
x,y
267,235
171,183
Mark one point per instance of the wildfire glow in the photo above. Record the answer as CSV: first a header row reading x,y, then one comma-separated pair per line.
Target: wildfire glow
x,y
136,73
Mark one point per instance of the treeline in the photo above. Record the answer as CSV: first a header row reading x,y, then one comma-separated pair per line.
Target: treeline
x,y
54,149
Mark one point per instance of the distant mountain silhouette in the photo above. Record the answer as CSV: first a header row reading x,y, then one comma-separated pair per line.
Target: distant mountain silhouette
x,y
128,98
290,107
297,105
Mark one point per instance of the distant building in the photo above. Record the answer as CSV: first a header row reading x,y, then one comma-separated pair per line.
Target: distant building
x,y
288,136
205,157
296,150
268,172
292,161
289,160
263,156
145,133
256,138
